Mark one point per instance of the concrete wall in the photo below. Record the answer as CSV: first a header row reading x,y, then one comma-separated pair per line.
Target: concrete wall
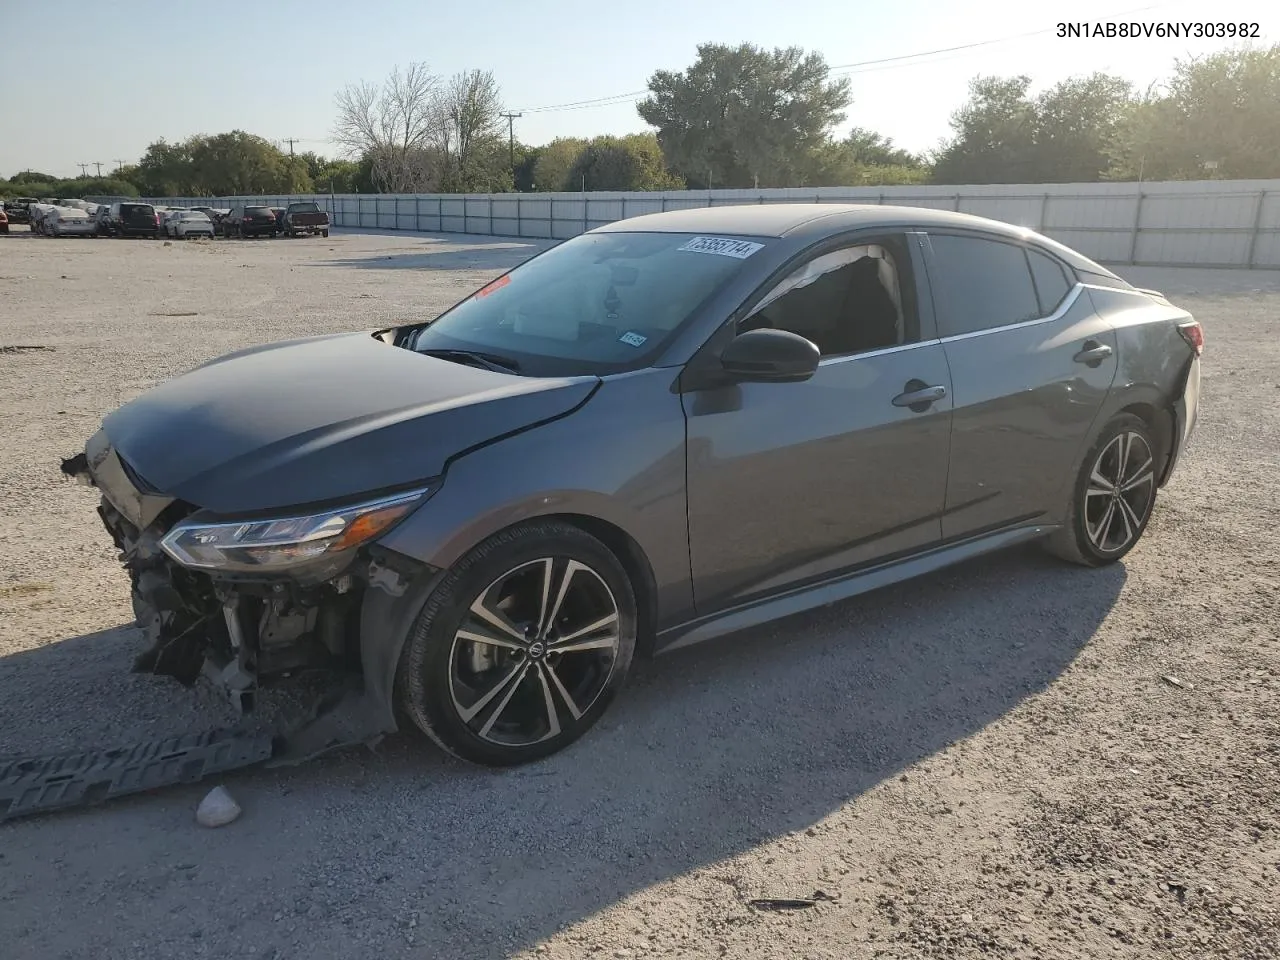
x,y
1225,223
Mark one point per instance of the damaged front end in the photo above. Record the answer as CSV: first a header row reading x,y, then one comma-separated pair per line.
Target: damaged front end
x,y
248,601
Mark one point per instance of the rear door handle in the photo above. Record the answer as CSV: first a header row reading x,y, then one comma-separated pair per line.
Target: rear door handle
x,y
1093,353
919,396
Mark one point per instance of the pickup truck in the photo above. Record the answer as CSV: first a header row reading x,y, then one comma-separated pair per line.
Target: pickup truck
x,y
305,217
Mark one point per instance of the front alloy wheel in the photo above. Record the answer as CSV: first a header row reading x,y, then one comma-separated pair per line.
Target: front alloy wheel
x,y
522,647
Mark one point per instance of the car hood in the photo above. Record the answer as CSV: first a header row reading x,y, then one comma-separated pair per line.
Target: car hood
x,y
320,419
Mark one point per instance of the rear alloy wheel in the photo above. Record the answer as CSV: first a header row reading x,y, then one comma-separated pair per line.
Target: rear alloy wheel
x,y
522,647
1113,496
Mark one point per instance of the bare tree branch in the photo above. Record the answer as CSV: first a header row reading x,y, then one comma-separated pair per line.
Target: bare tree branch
x,y
391,125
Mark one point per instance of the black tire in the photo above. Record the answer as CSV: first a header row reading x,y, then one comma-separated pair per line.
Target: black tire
x,y
324,233
1104,523
534,687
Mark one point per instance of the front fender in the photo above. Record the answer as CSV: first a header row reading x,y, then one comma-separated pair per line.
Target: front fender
x,y
620,459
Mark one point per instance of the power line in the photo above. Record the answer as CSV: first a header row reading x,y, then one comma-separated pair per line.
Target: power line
x,y
620,98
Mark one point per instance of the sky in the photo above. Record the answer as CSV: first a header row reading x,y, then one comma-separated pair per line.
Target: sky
x,y
272,67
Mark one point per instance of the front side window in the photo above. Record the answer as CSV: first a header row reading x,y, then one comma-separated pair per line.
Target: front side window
x,y
980,284
599,303
846,301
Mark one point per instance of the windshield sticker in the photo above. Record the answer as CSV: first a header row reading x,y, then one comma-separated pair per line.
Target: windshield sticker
x,y
489,288
632,339
738,249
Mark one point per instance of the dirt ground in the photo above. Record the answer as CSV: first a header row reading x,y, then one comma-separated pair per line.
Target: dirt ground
x,y
1012,758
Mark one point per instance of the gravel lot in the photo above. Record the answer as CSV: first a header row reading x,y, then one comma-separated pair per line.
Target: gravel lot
x,y
991,761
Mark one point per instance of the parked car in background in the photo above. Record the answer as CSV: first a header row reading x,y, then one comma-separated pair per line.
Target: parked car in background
x,y
133,218
217,217
665,430
4,221
189,223
246,222
37,213
102,220
305,216
19,209
69,222
167,215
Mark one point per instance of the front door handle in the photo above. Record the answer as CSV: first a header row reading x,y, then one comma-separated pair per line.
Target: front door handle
x,y
1093,353
919,396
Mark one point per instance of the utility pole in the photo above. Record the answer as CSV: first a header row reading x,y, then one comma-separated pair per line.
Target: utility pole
x,y
290,141
511,139
119,163
84,172
98,164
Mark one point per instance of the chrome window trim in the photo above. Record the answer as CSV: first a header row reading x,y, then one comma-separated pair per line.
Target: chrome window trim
x,y
883,351
1067,302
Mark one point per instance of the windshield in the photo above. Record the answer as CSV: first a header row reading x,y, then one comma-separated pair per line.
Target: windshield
x,y
599,303
303,208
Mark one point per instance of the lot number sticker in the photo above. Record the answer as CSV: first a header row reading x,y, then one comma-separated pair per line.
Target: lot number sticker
x,y
738,249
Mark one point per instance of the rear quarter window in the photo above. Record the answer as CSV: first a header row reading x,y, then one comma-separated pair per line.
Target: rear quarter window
x,y
1051,281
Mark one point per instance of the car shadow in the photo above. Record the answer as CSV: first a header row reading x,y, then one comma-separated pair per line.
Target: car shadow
x,y
709,752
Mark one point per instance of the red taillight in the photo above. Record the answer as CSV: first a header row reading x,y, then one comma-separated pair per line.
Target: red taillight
x,y
157,219
1193,334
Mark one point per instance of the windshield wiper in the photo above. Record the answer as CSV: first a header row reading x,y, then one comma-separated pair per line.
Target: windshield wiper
x,y
489,361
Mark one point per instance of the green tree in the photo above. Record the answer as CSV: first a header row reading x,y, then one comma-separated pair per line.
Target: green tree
x,y
1221,109
239,163
336,176
527,158
1077,125
96,187
33,176
868,148
742,115
556,162
165,170
994,135
633,162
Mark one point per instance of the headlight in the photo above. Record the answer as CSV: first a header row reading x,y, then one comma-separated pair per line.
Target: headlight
x,y
268,546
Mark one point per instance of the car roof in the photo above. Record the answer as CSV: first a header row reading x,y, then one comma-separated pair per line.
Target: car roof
x,y
815,221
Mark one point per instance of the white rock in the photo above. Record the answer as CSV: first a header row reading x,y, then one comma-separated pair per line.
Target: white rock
x,y
217,809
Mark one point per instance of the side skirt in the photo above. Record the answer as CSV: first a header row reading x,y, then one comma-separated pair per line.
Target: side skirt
x,y
850,585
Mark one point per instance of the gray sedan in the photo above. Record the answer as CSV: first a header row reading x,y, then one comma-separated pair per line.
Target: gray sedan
x,y
662,431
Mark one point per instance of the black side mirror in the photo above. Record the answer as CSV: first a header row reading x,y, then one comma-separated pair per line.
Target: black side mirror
x,y
770,356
